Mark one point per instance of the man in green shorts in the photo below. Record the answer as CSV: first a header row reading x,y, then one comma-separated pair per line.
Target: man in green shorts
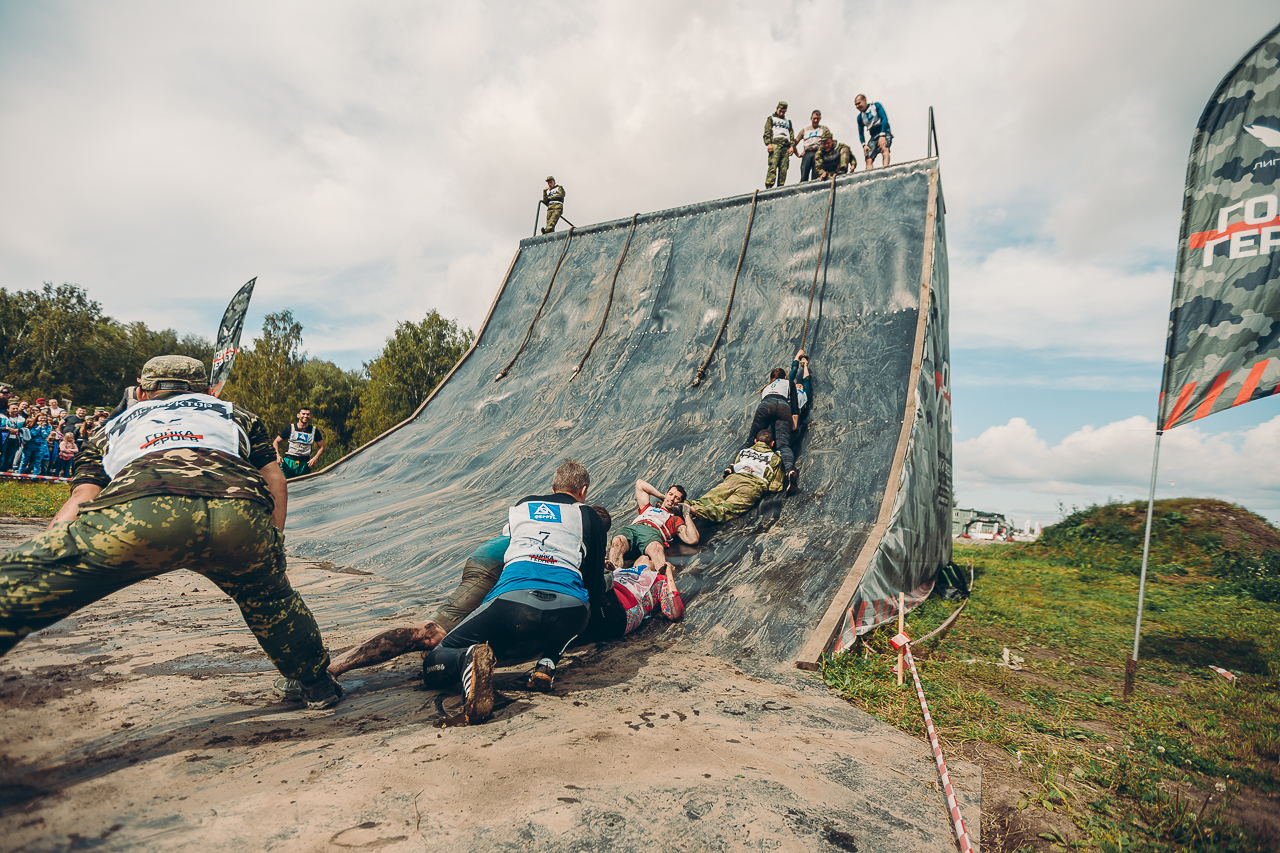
x,y
182,480
304,445
755,470
653,528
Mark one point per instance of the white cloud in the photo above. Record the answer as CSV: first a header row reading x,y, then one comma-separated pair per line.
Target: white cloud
x,y
1012,464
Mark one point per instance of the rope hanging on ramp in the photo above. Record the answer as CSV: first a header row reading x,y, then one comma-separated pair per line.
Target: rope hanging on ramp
x,y
751,217
826,223
568,238
609,302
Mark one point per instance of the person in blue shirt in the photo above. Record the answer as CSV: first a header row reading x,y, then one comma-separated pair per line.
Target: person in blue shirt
x,y
36,449
873,130
800,400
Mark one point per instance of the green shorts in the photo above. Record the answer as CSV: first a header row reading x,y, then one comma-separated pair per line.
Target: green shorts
x,y
293,467
639,536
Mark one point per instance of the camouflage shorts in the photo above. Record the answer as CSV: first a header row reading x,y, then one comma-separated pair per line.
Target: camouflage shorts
x,y
231,542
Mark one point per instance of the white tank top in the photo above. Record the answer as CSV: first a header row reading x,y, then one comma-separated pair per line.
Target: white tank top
x,y
189,420
546,532
778,387
801,397
781,127
301,442
753,462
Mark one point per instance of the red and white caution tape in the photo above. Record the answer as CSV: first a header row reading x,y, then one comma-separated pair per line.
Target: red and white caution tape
x,y
34,477
962,834
1229,676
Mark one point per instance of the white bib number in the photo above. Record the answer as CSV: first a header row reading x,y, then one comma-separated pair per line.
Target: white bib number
x,y
638,579
190,420
781,127
753,462
778,387
546,532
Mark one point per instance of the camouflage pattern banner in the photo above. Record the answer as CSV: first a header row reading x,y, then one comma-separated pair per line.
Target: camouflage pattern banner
x,y
224,352
1224,325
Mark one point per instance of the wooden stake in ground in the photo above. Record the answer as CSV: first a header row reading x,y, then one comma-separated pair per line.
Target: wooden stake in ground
x,y
902,624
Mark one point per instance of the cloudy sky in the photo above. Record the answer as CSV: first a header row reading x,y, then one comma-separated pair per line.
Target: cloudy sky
x,y
371,162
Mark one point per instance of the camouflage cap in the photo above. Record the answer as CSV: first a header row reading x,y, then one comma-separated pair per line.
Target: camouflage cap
x,y
173,373
826,134
550,178
782,105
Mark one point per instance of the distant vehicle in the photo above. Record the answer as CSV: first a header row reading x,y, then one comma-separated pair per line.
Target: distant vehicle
x,y
993,527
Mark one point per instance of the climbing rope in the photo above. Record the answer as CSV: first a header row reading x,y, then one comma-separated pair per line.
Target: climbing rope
x,y
609,302
702,371
818,266
538,313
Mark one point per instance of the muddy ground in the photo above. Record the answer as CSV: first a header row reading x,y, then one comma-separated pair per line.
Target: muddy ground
x,y
147,721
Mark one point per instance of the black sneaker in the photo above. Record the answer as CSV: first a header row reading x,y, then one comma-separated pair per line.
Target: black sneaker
x,y
793,481
542,677
324,692
477,684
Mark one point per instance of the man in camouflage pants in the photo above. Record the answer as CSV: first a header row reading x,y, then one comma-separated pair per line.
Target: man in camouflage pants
x,y
182,480
756,469
779,141
553,198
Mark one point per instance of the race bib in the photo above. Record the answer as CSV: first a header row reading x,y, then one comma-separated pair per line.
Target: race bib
x,y
778,387
195,421
637,580
753,462
301,443
781,127
546,532
801,397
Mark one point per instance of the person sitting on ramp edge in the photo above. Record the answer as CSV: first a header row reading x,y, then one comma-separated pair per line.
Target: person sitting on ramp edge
x,y
774,414
653,528
553,578
182,480
479,575
755,470
639,593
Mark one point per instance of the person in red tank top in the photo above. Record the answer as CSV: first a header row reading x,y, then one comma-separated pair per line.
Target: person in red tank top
x,y
654,527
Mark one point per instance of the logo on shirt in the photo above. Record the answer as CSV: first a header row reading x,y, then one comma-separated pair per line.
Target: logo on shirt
x,y
545,512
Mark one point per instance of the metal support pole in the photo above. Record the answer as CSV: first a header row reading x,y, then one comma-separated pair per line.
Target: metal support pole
x,y
537,214
1131,664
932,136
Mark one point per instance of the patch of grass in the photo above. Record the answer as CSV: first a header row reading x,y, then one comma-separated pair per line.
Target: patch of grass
x,y
1157,773
31,499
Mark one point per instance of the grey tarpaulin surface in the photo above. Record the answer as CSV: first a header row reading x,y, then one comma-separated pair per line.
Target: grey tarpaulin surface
x,y
413,505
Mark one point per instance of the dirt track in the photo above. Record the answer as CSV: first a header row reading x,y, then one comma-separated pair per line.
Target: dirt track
x,y
147,721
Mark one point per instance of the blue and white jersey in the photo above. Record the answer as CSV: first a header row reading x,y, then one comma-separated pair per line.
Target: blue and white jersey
x,y
874,122
546,549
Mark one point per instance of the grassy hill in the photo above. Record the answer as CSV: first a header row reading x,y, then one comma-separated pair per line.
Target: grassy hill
x,y
1188,763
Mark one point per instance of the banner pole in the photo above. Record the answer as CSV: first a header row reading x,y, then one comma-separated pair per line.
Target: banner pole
x,y
1131,663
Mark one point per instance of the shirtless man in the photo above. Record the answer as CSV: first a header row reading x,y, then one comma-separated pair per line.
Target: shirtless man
x,y
651,532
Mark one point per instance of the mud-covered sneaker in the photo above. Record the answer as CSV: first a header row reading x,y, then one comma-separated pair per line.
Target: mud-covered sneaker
x,y
477,684
542,677
288,689
793,481
324,692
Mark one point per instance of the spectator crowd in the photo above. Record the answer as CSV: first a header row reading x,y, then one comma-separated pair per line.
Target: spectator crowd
x,y
42,436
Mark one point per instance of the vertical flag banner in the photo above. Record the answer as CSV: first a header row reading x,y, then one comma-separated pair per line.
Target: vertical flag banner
x,y
1223,348
224,353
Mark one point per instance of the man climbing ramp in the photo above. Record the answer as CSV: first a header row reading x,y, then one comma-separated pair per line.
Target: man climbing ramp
x,y
801,398
873,130
755,470
774,414
553,578
651,532
779,142
553,198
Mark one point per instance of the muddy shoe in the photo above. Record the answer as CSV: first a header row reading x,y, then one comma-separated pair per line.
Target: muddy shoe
x,y
288,689
542,677
324,692
793,481
477,684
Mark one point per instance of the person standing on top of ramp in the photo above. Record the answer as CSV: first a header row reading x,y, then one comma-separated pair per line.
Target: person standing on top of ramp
x,y
182,480
807,142
833,158
552,580
304,445
553,198
755,470
653,528
873,130
780,143
774,413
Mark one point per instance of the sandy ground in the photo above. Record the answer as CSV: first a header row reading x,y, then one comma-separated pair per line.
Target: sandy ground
x,y
147,721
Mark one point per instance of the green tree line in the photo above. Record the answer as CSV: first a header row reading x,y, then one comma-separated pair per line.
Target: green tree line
x,y
56,342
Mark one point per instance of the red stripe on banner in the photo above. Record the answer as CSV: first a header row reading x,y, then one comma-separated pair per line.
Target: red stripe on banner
x,y
1206,408
1183,399
1251,381
1199,238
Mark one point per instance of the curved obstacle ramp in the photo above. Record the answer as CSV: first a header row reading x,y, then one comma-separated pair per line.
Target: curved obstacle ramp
x,y
858,266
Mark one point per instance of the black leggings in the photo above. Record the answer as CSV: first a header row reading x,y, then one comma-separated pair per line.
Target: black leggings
x,y
520,625
807,170
774,412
